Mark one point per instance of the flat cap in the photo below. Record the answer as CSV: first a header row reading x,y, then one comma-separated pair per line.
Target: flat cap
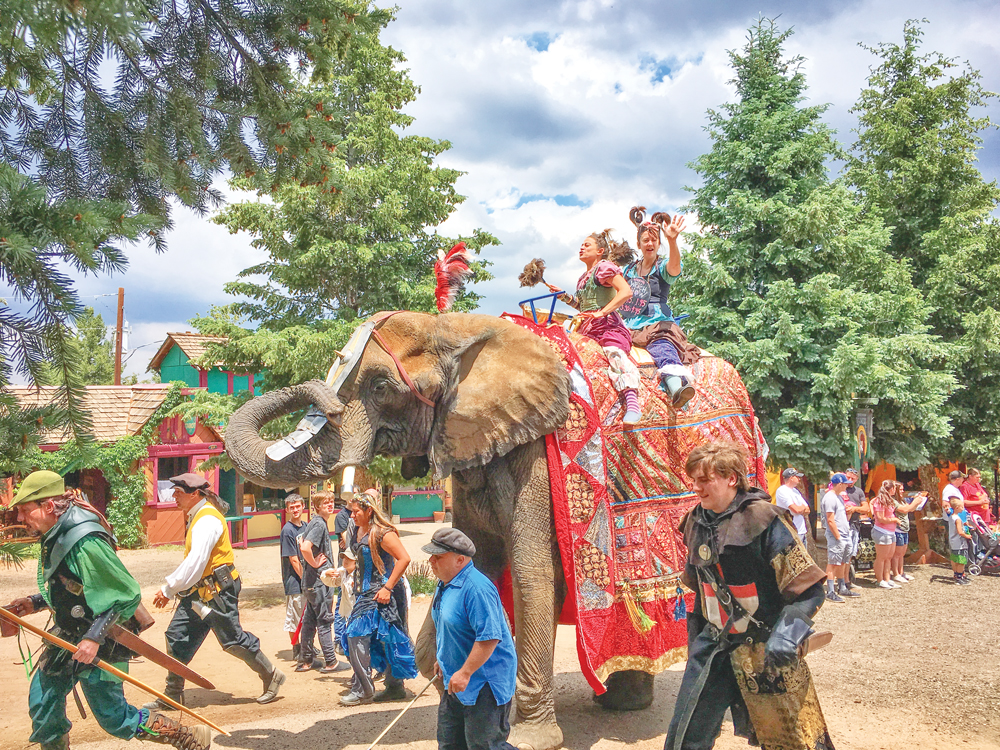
x,y
39,485
450,540
190,482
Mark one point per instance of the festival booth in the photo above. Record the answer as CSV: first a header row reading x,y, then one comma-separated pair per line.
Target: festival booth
x,y
418,504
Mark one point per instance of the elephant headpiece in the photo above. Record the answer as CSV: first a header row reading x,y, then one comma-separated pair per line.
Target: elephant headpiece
x,y
445,392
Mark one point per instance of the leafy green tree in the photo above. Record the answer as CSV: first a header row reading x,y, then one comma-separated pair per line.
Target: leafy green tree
x,y
360,242
110,108
791,282
914,166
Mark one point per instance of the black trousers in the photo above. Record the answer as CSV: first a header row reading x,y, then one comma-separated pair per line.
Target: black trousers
x,y
708,707
187,631
482,726
317,619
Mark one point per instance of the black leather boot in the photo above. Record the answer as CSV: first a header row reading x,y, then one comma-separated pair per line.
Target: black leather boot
x,y
272,677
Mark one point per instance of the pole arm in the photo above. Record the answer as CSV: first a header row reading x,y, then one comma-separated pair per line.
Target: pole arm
x,y
124,676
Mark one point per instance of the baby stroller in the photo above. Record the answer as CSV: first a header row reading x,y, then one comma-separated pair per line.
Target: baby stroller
x,y
863,559
987,557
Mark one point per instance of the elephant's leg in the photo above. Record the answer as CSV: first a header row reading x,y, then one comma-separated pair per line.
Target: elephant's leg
x,y
627,691
539,589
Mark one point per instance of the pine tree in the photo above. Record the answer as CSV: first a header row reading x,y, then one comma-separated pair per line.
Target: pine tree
x,y
791,282
94,352
111,109
361,242
914,166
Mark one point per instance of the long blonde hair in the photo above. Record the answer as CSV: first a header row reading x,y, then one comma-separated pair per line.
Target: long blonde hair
x,y
885,499
380,526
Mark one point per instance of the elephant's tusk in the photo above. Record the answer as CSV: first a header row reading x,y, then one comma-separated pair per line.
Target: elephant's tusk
x,y
347,488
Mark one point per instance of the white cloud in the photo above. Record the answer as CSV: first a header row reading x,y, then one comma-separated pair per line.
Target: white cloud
x,y
559,99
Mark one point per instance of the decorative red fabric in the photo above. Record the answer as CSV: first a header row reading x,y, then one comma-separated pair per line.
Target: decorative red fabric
x,y
618,496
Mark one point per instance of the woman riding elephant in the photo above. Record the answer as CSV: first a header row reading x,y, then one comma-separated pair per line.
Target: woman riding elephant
x,y
648,315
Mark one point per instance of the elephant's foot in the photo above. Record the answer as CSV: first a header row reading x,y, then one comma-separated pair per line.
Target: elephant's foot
x,y
527,735
627,691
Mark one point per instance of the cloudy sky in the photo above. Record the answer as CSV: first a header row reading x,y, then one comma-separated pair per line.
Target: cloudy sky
x,y
565,114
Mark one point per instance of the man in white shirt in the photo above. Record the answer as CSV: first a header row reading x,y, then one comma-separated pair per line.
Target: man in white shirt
x,y
207,586
951,490
789,498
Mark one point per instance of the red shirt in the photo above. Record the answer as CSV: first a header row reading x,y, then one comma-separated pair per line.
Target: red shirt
x,y
975,491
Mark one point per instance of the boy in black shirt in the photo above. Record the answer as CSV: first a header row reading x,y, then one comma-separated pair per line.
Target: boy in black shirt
x,y
318,555
291,568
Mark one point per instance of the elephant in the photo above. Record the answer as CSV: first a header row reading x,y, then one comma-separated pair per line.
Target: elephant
x,y
472,396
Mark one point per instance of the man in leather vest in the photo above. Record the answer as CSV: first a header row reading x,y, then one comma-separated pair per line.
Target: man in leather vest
x,y
207,586
756,592
88,590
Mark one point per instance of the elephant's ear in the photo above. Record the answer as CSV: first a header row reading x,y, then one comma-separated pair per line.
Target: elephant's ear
x,y
502,387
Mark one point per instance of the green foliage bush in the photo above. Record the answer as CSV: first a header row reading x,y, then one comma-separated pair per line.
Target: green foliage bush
x,y
119,462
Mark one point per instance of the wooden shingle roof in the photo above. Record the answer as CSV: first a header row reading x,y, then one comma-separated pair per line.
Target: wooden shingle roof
x,y
194,346
116,411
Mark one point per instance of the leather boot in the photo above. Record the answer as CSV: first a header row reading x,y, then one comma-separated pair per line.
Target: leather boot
x,y
679,389
171,691
60,744
394,689
272,677
166,731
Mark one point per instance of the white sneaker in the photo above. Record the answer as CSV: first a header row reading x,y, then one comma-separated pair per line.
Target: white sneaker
x,y
908,577
894,585
887,585
900,579
631,418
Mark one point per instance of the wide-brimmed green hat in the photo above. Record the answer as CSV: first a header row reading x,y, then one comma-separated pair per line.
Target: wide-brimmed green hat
x,y
39,485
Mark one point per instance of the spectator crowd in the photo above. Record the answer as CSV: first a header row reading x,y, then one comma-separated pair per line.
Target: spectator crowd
x,y
852,521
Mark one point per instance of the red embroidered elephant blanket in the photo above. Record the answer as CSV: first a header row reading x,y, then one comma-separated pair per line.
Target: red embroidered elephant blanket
x,y
619,494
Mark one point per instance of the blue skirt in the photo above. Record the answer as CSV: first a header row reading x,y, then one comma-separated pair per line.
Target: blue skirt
x,y
390,646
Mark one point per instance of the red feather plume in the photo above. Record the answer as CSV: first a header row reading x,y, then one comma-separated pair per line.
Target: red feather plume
x,y
451,271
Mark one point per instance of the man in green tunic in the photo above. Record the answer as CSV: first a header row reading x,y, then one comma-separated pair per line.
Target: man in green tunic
x,y
88,590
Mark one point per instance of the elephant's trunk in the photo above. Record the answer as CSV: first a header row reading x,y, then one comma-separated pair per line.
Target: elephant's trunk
x,y
312,462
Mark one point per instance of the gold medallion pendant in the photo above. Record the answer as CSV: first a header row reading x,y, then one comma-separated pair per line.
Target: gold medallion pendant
x,y
704,552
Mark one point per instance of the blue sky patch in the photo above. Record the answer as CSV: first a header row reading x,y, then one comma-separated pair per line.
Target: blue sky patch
x,y
658,69
560,200
539,41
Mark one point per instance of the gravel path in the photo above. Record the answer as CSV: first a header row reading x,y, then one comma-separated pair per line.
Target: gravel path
x,y
913,667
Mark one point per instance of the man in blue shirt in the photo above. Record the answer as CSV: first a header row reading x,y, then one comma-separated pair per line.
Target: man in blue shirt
x,y
475,651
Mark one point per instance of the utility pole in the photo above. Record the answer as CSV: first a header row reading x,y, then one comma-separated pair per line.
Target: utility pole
x,y
118,335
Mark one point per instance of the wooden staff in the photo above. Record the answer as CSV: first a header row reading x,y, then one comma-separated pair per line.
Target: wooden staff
x,y
124,676
393,722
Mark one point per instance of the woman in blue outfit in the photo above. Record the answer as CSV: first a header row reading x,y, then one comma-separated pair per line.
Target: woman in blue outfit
x,y
377,634
648,315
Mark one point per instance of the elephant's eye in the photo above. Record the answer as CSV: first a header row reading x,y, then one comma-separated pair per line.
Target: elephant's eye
x,y
380,386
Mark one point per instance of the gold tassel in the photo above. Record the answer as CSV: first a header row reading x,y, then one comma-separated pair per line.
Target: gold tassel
x,y
642,622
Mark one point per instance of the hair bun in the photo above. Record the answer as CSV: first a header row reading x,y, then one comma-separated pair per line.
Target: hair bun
x,y
637,214
660,216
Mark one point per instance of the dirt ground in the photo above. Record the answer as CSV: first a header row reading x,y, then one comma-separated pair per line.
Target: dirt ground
x,y
918,665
